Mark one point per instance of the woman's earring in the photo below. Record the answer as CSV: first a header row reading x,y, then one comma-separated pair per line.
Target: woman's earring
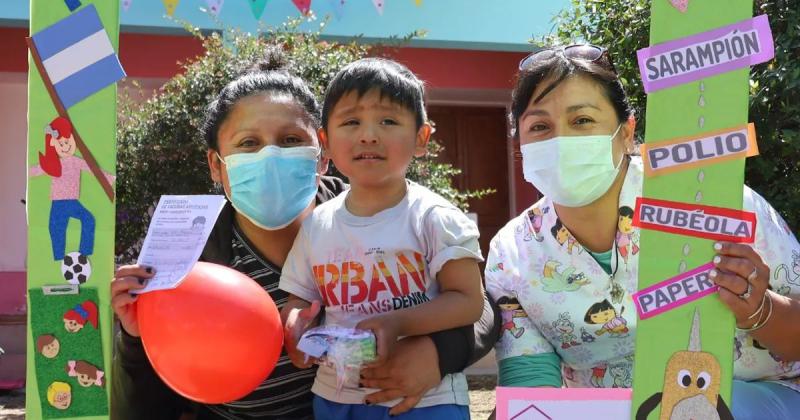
x,y
217,188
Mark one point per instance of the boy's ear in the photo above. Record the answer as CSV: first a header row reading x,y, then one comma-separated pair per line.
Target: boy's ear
x,y
324,160
423,137
323,139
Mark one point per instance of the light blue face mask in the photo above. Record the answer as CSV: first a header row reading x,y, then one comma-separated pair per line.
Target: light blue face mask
x,y
572,171
274,185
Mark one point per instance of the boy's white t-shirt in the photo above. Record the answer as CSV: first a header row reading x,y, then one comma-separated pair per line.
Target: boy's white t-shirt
x,y
359,267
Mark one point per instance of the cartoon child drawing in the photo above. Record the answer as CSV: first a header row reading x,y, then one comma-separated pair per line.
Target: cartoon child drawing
x,y
604,313
77,317
510,309
565,329
626,244
59,395
86,373
48,345
536,216
563,236
598,373
61,164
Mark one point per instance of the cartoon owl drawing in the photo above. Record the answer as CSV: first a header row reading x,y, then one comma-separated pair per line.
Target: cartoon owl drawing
x,y
691,385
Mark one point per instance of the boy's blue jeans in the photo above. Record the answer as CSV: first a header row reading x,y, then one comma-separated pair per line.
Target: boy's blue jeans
x,y
764,400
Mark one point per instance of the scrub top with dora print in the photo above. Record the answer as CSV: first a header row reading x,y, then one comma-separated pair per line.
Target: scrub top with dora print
x,y
555,297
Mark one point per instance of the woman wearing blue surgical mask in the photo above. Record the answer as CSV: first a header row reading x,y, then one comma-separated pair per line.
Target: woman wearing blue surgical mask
x,y
567,266
264,153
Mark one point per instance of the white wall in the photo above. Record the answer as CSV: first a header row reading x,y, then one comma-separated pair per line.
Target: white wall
x,y
13,138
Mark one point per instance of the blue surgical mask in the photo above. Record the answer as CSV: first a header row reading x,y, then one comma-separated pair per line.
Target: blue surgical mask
x,y
274,185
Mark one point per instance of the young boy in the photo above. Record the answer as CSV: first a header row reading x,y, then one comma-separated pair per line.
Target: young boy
x,y
389,255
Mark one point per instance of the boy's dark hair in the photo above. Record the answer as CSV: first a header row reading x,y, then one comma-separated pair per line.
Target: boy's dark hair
x,y
392,79
559,68
269,75
597,307
626,211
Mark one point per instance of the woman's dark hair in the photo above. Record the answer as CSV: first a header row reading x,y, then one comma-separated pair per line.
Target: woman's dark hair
x,y
269,75
558,68
598,307
390,78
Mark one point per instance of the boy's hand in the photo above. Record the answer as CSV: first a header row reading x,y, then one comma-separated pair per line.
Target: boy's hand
x,y
386,330
411,370
299,321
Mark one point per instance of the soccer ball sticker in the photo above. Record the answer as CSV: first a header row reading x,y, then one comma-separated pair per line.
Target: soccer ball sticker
x,y
76,268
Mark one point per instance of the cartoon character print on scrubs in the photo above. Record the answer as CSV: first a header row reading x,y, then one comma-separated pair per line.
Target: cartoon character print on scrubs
x,y
598,374
604,313
565,330
586,337
565,281
510,309
783,365
536,217
626,237
790,275
622,377
563,236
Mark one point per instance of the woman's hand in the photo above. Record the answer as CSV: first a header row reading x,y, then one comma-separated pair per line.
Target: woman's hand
x,y
410,371
743,281
386,329
127,278
298,321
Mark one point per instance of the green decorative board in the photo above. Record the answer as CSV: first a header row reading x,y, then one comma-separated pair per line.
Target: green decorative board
x,y
696,72
73,67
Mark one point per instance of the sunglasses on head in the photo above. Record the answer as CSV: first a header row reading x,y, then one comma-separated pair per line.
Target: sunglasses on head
x,y
588,52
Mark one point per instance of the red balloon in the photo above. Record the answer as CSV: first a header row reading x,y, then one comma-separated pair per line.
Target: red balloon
x,y
215,337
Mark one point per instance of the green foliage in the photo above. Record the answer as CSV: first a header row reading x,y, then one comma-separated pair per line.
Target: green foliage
x,y
160,149
623,26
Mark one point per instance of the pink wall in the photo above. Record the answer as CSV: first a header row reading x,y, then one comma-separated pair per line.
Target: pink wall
x,y
13,223
12,293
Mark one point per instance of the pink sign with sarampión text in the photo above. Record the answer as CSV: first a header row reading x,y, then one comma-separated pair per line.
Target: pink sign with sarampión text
x,y
706,54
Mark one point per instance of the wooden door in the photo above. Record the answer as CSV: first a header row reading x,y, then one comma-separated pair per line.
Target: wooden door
x,y
475,140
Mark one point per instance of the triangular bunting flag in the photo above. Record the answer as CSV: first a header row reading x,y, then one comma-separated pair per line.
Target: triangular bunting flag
x,y
257,6
303,5
170,5
126,4
378,6
338,7
215,6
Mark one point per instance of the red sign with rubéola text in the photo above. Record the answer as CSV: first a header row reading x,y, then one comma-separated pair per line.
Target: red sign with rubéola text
x,y
696,220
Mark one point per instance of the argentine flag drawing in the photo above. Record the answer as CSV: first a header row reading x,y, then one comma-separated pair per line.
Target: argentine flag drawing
x,y
77,55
